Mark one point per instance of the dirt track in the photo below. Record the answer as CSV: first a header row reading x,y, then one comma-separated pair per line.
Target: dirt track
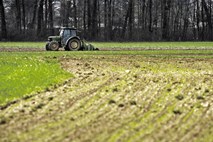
x,y
16,49
118,98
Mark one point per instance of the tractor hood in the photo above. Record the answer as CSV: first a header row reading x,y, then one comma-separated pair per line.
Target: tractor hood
x,y
54,38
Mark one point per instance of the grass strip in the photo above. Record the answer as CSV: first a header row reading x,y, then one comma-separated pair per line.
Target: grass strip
x,y
22,44
22,75
153,44
188,45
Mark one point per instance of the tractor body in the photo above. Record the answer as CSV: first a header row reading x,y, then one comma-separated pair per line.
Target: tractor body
x,y
68,40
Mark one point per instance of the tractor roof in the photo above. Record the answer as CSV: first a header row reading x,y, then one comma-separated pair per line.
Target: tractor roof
x,y
67,28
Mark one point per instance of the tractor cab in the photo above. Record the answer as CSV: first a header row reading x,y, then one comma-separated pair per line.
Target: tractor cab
x,y
66,33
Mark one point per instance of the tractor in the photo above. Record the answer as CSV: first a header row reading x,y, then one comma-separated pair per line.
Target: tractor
x,y
68,40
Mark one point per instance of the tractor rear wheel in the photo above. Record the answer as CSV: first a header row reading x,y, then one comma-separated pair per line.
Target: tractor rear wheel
x,y
74,44
53,46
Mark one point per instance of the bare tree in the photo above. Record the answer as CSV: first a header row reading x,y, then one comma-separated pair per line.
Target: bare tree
x,y
23,15
94,19
111,19
131,18
40,17
51,17
165,27
31,25
3,21
150,16
18,15
209,18
75,14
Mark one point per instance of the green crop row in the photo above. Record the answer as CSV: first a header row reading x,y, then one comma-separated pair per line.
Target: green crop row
x,y
22,44
147,53
21,75
119,44
153,44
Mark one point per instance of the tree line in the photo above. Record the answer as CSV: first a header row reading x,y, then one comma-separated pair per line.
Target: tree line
x,y
108,20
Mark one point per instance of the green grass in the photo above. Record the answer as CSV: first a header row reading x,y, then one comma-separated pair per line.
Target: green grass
x,y
22,44
21,74
119,44
145,53
153,44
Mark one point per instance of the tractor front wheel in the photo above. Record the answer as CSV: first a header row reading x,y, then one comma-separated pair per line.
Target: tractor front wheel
x,y
74,44
53,46
47,47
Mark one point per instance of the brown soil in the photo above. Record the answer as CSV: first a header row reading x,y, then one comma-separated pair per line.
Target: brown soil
x,y
118,98
15,49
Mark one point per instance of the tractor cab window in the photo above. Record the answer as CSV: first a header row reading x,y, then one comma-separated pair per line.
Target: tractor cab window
x,y
67,33
73,32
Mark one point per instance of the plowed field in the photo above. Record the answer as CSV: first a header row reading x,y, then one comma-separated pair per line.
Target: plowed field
x,y
118,98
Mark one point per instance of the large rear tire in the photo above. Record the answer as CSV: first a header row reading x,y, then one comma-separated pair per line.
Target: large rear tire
x,y
74,45
53,46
